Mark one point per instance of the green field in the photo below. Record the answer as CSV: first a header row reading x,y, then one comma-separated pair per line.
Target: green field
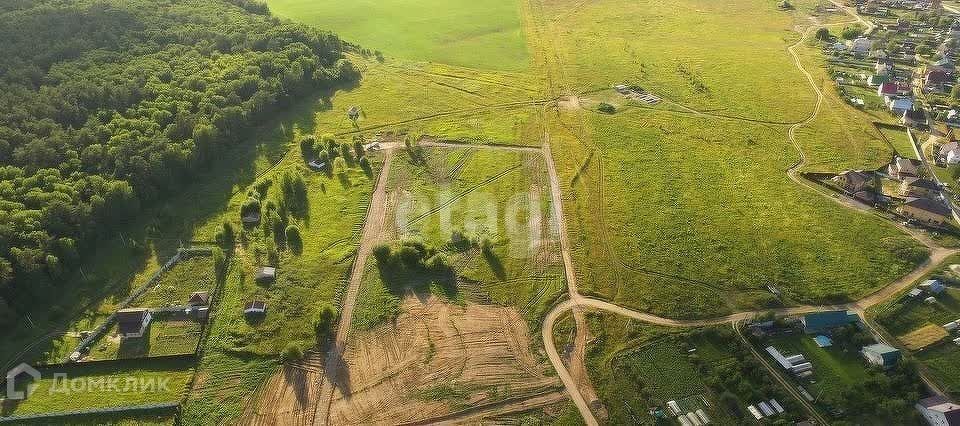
x,y
501,196
459,32
713,219
901,143
88,387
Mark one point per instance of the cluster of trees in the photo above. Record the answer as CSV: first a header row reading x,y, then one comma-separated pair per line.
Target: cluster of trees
x,y
275,210
412,255
335,156
110,105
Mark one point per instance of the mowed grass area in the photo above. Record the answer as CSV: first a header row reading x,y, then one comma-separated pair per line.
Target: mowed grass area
x,y
688,217
833,369
484,34
162,381
480,194
900,141
740,69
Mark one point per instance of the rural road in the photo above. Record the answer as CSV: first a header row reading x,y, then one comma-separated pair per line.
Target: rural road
x,y
372,228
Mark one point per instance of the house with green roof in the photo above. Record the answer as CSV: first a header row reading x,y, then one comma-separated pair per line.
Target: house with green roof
x,y
823,322
881,355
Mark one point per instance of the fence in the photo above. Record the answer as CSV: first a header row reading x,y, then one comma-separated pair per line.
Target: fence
x,y
102,328
110,410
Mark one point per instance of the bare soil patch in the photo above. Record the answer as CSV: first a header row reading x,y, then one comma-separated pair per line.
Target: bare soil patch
x,y
435,360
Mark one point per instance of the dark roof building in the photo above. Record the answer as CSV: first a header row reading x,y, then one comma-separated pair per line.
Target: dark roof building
x,y
200,298
939,411
132,322
821,322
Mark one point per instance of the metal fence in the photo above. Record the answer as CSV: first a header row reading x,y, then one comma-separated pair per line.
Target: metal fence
x,y
102,328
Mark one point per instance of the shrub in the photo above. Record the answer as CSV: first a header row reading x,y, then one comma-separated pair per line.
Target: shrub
x,y
291,352
365,166
439,263
383,253
823,34
219,263
606,108
294,241
308,147
410,256
339,166
252,205
850,33
323,324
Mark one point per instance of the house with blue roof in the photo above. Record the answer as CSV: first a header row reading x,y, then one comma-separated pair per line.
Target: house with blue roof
x,y
881,355
823,322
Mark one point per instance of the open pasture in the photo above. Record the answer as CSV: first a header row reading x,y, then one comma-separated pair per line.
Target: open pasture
x,y
674,213
460,32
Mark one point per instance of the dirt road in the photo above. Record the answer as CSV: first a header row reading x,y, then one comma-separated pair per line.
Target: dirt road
x,y
372,227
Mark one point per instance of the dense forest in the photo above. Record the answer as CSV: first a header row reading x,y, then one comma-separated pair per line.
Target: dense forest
x,y
106,106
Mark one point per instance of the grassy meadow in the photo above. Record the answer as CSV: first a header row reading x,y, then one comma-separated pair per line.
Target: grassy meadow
x,y
460,32
712,219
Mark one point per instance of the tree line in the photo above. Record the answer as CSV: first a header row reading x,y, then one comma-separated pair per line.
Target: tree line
x,y
109,106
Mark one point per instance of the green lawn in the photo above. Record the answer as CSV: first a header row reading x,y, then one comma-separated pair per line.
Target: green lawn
x,y
684,216
460,32
942,360
901,143
88,386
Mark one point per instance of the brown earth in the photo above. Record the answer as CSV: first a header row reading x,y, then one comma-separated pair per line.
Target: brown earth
x,y
438,360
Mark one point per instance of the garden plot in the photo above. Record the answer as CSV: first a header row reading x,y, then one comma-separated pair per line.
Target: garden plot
x,y
168,334
177,284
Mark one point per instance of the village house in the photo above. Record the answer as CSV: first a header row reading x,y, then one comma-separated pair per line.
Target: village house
x,y
853,181
199,298
932,286
914,118
916,187
256,307
936,81
939,411
944,65
133,322
860,46
925,211
902,168
950,152
898,105
881,355
266,274
887,89
883,67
